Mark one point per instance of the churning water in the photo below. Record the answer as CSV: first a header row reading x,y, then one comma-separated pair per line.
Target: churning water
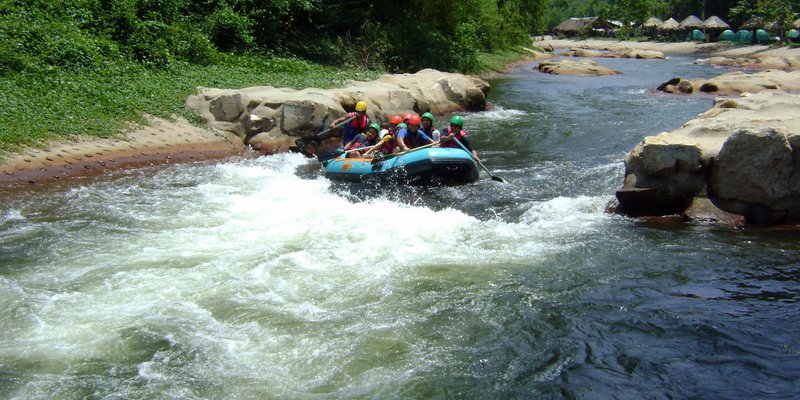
x,y
262,279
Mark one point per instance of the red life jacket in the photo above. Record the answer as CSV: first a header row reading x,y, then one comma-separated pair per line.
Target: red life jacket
x,y
360,124
452,143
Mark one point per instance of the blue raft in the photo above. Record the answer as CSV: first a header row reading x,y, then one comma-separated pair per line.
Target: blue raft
x,y
424,166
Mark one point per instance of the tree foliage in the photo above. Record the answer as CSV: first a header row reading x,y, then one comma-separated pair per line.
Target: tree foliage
x,y
395,35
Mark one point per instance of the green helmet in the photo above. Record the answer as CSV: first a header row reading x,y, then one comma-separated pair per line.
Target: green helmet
x,y
402,125
428,116
457,121
375,126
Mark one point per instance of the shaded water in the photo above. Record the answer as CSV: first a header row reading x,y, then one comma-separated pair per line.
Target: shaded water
x,y
261,279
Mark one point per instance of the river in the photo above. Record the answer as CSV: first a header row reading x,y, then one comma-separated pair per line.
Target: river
x,y
258,278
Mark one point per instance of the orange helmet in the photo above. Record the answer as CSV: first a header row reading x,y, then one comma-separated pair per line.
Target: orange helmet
x,y
406,116
395,119
414,119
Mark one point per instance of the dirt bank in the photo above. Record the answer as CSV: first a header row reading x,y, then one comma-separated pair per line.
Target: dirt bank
x,y
160,142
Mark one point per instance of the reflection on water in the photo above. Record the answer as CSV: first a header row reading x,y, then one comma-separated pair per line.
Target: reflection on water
x,y
262,279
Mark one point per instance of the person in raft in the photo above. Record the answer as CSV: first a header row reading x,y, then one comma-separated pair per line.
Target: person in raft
x,y
363,141
357,125
392,127
427,126
456,131
411,137
388,142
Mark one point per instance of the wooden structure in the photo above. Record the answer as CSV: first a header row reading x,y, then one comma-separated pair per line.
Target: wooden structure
x,y
585,26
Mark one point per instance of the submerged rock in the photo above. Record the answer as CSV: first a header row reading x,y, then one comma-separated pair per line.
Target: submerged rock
x,y
742,156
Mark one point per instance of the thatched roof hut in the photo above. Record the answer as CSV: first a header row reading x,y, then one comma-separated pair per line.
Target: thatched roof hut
x,y
796,23
652,22
715,22
752,23
584,25
691,22
670,25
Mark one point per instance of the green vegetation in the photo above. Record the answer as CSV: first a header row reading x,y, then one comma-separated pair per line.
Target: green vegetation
x,y
77,67
35,107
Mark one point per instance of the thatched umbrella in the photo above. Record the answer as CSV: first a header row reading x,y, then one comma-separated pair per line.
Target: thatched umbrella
x,y
796,23
714,27
691,22
669,28
653,22
651,25
715,23
752,23
670,25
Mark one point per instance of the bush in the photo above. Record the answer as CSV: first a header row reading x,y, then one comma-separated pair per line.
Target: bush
x,y
229,31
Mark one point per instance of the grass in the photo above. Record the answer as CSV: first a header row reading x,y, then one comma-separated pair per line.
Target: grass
x,y
57,104
499,60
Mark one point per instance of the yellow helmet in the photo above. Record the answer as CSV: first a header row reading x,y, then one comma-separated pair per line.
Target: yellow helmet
x,y
361,106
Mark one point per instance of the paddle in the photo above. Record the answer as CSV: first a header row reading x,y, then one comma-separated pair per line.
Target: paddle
x,y
303,142
336,153
494,178
377,160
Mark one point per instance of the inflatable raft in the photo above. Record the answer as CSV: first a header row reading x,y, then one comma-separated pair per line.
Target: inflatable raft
x,y
424,166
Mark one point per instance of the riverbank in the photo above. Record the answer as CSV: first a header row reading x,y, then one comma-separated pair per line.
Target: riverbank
x,y
162,141
159,142
716,49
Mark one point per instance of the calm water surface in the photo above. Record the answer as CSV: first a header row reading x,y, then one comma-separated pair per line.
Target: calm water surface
x,y
262,279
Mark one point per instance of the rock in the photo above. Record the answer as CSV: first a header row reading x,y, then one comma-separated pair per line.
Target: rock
x,y
640,202
685,86
227,108
702,210
587,53
260,115
474,100
570,67
737,82
743,177
645,54
676,85
743,156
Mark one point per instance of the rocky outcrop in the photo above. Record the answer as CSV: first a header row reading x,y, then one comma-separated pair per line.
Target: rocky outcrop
x,y
570,67
617,53
757,62
742,156
735,83
270,118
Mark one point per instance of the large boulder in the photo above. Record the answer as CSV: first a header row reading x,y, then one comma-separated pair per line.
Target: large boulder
x,y
763,184
270,118
570,67
735,83
742,156
756,62
645,54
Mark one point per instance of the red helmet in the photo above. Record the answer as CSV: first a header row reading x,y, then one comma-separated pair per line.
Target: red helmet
x,y
395,119
406,116
414,119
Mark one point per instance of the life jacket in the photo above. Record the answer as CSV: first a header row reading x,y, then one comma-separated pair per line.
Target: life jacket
x,y
412,139
388,146
432,133
452,143
357,125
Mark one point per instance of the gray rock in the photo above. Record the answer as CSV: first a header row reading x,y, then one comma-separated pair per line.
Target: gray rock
x,y
227,108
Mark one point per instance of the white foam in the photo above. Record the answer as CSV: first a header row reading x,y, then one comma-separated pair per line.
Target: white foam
x,y
499,114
